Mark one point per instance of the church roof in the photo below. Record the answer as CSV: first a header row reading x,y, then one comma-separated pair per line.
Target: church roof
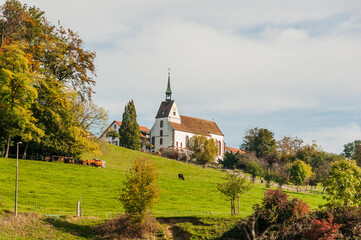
x,y
197,126
164,109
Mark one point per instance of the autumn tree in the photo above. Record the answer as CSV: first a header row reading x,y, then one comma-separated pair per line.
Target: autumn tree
x,y
259,140
129,130
62,72
203,150
17,94
140,191
233,188
92,118
343,185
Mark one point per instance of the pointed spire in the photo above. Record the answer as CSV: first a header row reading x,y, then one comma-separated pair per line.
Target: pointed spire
x,y
168,93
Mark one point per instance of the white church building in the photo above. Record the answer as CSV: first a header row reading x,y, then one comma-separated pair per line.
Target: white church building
x,y
172,130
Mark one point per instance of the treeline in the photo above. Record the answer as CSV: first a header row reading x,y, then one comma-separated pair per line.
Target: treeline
x,y
287,160
46,85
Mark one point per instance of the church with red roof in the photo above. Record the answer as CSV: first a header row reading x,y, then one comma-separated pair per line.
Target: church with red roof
x,y
172,130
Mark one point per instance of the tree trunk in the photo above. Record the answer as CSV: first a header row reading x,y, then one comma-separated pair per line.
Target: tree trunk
x,y
233,210
238,205
8,146
26,148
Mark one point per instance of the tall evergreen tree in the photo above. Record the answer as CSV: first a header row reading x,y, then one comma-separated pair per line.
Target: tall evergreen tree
x,y
129,130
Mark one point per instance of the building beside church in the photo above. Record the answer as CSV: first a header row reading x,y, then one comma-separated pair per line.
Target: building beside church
x,y
172,130
115,125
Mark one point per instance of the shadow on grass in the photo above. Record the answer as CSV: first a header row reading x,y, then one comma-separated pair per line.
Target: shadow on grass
x,y
174,220
76,229
235,233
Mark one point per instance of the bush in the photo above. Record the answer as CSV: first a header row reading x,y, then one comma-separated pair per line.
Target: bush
x,y
342,215
123,227
170,153
140,190
323,229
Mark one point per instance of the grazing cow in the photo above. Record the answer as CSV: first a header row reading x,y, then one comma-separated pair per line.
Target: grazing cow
x,y
180,176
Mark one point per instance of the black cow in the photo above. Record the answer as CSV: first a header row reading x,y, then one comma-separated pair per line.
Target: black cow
x,y
180,176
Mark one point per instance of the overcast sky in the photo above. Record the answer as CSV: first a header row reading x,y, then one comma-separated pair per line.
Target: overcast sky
x,y
291,66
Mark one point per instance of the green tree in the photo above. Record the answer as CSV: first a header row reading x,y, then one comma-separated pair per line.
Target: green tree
x,y
281,174
288,147
312,155
344,184
255,169
269,176
140,191
204,150
129,130
233,188
322,174
17,94
113,134
299,171
230,160
261,141
352,150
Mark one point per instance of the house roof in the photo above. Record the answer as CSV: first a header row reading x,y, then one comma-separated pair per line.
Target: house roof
x,y
197,126
235,150
164,109
141,129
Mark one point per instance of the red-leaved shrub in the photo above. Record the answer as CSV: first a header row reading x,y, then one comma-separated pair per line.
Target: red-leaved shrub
x,y
323,229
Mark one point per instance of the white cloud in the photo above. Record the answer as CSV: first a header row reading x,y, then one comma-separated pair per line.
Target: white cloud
x,y
226,56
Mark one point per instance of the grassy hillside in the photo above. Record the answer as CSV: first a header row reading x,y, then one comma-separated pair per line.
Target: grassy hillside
x,y
56,187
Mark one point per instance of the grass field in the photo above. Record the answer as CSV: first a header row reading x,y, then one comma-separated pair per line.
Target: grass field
x,y
56,187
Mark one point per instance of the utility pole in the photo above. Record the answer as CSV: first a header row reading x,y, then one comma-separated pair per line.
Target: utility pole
x,y
16,178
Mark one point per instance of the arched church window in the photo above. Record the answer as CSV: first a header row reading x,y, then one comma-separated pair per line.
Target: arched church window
x,y
153,141
187,141
161,141
220,147
161,133
161,123
217,147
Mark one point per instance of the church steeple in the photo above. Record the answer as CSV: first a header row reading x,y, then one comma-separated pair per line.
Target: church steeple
x,y
168,93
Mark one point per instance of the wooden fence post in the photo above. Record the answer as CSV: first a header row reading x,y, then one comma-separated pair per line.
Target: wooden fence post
x,y
78,209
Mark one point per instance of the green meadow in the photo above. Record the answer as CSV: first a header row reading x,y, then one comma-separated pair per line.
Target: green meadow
x,y
54,187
